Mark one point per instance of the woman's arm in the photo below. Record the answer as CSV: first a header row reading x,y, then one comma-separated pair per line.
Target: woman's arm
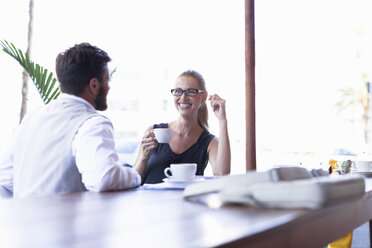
x,y
219,149
148,144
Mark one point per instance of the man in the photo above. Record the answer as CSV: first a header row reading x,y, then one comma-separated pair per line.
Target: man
x,y
67,146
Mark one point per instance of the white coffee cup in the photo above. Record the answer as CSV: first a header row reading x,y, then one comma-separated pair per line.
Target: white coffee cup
x,y
163,135
364,165
181,172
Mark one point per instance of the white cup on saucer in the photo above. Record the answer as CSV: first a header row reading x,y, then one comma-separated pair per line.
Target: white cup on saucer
x,y
181,172
163,135
364,165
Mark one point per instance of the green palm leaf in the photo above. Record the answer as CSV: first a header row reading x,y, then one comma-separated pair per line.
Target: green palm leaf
x,y
45,82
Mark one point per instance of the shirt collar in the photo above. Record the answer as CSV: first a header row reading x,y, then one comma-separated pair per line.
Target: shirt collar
x,y
76,98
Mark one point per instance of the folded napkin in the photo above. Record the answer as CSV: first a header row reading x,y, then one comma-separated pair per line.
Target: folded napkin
x,y
283,187
304,193
252,177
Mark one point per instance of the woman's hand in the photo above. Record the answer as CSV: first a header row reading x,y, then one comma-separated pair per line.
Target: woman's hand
x,y
148,144
219,149
218,106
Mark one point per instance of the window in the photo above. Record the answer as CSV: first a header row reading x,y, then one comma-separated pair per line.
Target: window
x,y
309,56
150,42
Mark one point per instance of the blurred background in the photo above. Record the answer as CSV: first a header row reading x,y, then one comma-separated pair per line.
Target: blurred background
x,y
313,69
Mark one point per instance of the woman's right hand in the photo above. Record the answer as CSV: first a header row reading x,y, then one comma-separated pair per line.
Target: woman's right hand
x,y
148,144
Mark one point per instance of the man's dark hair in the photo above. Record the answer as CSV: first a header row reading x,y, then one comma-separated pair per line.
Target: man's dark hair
x,y
76,66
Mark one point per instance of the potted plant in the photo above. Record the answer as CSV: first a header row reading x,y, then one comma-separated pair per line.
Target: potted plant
x,y
44,81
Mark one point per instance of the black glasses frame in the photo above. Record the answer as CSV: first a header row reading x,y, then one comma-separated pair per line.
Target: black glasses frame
x,y
188,92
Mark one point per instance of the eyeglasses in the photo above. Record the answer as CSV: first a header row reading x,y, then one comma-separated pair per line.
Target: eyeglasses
x,y
188,92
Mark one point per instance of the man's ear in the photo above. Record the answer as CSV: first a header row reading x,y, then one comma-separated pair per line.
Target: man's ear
x,y
94,86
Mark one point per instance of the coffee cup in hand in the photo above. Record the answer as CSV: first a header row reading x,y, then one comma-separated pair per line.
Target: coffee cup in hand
x,y
163,135
181,172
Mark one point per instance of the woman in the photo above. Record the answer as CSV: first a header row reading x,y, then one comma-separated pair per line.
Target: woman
x,y
190,142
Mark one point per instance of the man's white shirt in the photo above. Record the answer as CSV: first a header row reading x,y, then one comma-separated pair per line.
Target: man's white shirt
x,y
93,148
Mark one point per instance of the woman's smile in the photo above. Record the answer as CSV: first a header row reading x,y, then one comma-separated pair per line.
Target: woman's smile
x,y
184,105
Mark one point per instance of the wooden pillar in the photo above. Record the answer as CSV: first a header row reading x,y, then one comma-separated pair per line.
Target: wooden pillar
x,y
250,110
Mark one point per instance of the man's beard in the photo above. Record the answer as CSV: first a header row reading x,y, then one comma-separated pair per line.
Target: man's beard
x,y
101,102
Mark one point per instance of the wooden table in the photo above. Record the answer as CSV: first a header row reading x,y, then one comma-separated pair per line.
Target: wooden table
x,y
162,218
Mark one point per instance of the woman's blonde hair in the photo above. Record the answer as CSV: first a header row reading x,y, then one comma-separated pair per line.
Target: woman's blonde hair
x,y
203,111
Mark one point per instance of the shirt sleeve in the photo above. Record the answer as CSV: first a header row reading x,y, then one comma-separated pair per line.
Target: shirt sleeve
x,y
94,150
6,171
7,165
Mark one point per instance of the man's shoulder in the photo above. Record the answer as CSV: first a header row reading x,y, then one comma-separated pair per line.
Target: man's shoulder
x,y
98,118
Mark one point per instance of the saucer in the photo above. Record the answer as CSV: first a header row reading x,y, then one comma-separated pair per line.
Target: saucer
x,y
171,180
